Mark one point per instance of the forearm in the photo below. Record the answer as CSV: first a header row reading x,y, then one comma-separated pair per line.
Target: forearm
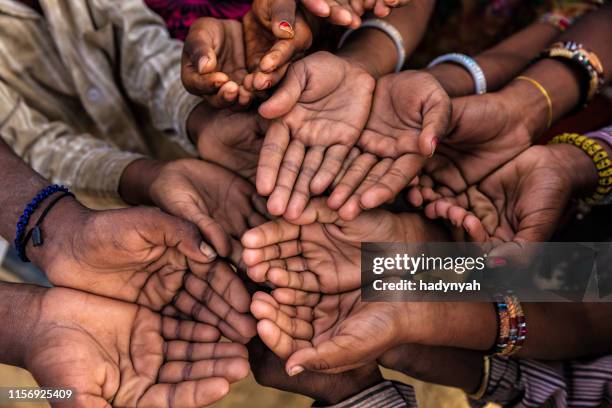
x,y
501,63
19,306
375,51
136,180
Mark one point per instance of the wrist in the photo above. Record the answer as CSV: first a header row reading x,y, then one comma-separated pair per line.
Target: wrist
x,y
370,49
136,181
58,230
354,382
577,167
19,308
455,79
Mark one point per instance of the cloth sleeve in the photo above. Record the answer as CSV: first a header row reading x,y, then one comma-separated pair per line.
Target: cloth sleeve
x,y
388,394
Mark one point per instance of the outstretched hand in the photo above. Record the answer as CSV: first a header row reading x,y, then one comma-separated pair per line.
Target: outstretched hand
x,y
214,62
144,256
349,12
317,252
107,350
319,112
410,115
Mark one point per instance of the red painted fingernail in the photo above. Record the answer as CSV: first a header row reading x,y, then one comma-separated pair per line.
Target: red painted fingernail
x,y
497,262
287,27
434,144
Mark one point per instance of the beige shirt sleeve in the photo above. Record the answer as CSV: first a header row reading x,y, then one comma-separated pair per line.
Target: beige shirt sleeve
x,y
95,166
150,65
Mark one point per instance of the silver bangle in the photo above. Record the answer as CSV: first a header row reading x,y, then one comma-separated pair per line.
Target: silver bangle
x,y
388,29
468,63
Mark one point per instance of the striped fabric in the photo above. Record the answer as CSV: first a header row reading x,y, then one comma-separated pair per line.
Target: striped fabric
x,y
530,383
89,88
387,394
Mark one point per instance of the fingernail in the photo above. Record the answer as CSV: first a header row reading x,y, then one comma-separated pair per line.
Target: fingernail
x,y
267,85
295,371
202,64
497,262
434,144
208,251
286,27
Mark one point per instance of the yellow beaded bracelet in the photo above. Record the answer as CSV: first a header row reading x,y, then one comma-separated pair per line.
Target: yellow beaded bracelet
x,y
600,158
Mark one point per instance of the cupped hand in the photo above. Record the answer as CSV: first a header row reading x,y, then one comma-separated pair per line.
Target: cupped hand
x,y
410,115
349,12
219,202
486,132
318,252
228,138
326,333
144,256
325,389
109,351
522,202
319,112
275,34
213,63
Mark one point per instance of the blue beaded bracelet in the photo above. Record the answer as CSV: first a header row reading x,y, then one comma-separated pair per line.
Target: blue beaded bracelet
x,y
24,219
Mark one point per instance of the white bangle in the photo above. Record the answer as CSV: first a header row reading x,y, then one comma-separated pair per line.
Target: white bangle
x,y
468,63
388,29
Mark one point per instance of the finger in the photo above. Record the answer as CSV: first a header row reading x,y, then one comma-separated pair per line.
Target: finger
x,y
282,13
415,197
290,168
285,51
276,251
198,311
341,15
232,369
317,7
352,207
436,120
353,177
301,192
259,272
172,311
283,278
281,344
273,150
338,354
224,281
177,350
187,330
212,231
353,155
187,394
381,9
219,305
295,328
332,163
293,297
268,234
263,81
397,177
475,229
287,95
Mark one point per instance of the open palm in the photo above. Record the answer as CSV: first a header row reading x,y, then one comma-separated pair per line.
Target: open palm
x,y
410,115
329,333
320,110
111,352
318,252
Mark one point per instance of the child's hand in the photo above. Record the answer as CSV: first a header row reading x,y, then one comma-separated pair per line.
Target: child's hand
x,y
349,12
275,34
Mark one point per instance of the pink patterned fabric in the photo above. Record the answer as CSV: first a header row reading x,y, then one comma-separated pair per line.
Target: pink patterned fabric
x,y
180,14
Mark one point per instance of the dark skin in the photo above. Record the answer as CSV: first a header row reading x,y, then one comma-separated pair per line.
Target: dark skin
x,y
319,252
306,144
410,115
325,389
228,138
137,254
109,351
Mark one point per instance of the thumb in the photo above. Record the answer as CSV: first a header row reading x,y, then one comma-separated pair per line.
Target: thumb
x,y
288,93
330,356
282,13
436,120
200,45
